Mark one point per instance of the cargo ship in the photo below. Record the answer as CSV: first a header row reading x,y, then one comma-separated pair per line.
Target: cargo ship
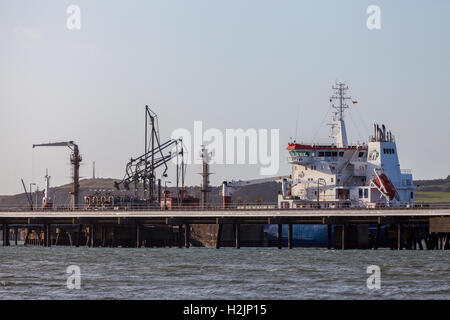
x,y
340,174
337,175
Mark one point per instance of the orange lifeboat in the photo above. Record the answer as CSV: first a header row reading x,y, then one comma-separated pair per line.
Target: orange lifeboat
x,y
383,183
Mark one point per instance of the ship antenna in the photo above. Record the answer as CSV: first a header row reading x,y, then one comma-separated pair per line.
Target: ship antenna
x,y
296,123
338,102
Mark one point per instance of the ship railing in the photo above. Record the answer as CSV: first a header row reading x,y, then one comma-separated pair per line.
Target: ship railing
x,y
405,171
298,159
266,206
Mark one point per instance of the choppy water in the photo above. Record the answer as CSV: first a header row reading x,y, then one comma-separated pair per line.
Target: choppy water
x,y
227,273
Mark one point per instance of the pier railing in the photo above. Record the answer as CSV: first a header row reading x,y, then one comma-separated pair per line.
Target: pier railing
x,y
267,206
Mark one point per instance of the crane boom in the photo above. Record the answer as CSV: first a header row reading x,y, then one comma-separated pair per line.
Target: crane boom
x,y
55,144
75,159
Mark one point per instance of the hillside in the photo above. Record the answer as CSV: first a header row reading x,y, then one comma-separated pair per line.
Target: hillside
x,y
437,190
61,194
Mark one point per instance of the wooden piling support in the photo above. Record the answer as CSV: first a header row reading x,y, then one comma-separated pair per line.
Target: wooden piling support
x,y
69,235
58,232
343,237
27,234
180,236
280,232
290,244
47,235
187,230
113,237
399,236
377,236
5,234
219,236
237,235
16,235
77,244
92,235
138,235
104,227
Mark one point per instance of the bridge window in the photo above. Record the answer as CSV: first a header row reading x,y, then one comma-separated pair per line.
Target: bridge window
x,y
361,154
341,153
321,154
360,193
334,153
327,153
366,193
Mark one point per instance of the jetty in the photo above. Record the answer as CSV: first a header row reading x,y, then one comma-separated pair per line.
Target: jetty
x,y
410,228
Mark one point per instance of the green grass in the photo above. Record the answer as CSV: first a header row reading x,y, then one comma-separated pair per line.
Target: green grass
x,y
435,196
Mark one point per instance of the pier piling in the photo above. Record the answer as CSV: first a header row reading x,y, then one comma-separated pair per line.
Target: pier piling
x,y
138,235
47,235
290,246
219,236
186,235
237,235
16,235
377,236
77,243
280,232
92,235
180,235
329,236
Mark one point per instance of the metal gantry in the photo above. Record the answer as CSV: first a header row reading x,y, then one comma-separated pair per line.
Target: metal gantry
x,y
156,154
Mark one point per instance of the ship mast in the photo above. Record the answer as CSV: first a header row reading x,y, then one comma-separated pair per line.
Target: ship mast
x,y
338,102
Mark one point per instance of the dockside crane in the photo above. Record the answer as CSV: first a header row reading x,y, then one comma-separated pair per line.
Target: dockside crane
x,y
75,159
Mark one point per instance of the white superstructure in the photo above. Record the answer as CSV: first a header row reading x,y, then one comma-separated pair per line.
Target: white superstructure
x,y
342,175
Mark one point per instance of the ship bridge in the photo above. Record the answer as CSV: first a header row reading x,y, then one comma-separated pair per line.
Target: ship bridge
x,y
304,154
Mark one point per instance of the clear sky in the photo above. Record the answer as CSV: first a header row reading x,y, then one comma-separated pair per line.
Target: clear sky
x,y
232,64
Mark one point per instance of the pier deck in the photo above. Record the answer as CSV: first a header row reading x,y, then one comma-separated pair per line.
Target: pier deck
x,y
411,221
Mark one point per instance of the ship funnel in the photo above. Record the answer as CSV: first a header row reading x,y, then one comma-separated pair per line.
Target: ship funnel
x,y
384,132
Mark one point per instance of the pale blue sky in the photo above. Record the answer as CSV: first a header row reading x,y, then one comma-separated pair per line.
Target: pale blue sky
x,y
232,64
